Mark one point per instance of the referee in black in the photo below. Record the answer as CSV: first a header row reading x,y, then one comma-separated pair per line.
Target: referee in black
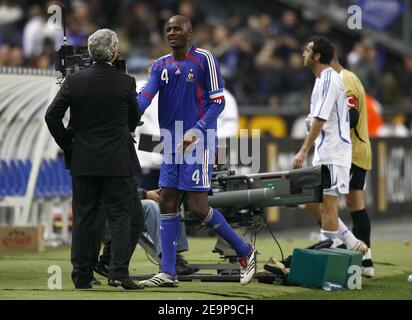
x,y
103,161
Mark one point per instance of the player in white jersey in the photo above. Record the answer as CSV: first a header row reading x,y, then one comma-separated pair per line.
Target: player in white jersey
x,y
328,106
329,133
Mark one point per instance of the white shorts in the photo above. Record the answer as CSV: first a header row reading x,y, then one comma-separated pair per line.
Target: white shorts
x,y
339,180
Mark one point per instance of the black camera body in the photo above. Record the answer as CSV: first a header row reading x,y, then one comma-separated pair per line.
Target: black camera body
x,y
70,59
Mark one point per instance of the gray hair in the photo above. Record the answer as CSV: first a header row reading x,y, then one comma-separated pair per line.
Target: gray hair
x,y
103,45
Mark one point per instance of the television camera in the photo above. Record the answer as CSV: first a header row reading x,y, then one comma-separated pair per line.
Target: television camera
x,y
242,199
70,59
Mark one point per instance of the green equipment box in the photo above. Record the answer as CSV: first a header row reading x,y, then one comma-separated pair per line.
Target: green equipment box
x,y
312,268
356,256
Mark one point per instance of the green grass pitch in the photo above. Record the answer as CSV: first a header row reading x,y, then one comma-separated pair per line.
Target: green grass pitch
x,y
24,276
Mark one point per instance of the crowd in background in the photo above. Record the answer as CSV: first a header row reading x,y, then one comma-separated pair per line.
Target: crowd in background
x,y
259,48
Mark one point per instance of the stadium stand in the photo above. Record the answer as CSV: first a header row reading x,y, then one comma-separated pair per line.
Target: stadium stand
x,y
32,173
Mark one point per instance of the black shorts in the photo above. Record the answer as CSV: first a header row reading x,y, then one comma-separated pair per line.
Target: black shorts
x,y
357,178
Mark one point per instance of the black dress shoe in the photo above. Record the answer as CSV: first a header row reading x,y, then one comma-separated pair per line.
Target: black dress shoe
x,y
182,267
102,269
85,286
127,284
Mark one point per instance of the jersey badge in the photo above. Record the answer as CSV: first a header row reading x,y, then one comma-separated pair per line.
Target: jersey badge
x,y
190,76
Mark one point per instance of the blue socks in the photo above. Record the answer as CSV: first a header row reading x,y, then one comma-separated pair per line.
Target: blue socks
x,y
169,228
216,221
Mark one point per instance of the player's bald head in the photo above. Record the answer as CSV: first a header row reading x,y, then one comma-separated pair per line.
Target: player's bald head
x,y
182,21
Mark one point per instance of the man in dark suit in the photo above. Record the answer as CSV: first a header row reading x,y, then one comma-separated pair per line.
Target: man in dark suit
x,y
103,161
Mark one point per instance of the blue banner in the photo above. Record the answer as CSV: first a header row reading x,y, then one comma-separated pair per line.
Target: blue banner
x,y
380,14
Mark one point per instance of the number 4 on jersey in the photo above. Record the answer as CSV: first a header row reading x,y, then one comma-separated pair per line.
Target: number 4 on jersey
x,y
196,176
164,76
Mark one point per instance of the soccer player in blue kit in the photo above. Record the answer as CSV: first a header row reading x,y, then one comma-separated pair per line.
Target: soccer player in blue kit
x,y
190,90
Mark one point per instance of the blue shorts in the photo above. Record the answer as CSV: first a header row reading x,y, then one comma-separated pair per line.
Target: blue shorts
x,y
185,176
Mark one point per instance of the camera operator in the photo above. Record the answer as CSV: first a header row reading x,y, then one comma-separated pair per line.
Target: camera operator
x,y
103,161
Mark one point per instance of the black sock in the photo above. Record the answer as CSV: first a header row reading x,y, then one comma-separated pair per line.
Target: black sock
x,y
361,226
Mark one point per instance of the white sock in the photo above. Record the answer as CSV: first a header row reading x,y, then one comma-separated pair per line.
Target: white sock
x,y
346,235
331,235
336,242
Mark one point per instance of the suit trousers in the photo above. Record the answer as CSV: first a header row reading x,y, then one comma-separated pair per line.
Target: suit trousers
x,y
90,194
136,229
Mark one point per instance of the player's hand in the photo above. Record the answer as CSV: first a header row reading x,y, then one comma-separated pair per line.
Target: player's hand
x,y
299,159
153,195
189,138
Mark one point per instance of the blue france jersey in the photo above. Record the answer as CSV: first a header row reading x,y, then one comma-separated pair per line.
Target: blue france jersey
x,y
190,90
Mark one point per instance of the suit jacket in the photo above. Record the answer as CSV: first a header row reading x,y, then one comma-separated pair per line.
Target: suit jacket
x,y
103,111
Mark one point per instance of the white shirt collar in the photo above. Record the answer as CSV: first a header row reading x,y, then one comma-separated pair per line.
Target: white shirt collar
x,y
324,70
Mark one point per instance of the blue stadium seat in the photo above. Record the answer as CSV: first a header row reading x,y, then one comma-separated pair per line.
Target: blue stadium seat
x,y
53,179
3,190
27,170
18,177
50,180
40,183
57,186
9,181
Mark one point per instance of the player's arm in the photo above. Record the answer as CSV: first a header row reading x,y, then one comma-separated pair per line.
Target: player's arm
x,y
313,134
352,103
216,99
149,90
